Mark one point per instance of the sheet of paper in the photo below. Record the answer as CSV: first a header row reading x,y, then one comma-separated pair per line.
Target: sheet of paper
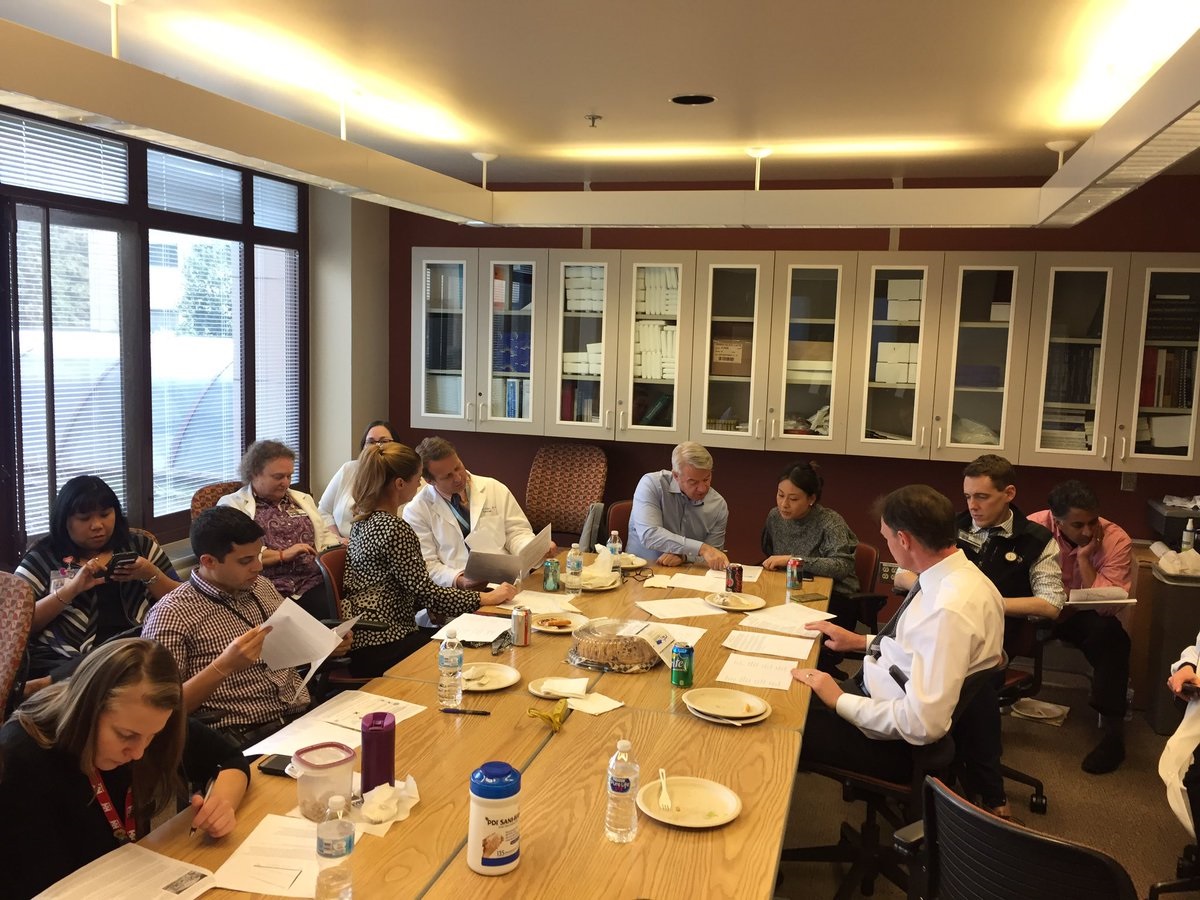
x,y
679,608
342,630
757,671
657,581
750,574
539,602
473,627
133,873
312,728
296,638
705,583
594,704
278,858
348,708
1085,595
790,618
490,566
770,644
683,634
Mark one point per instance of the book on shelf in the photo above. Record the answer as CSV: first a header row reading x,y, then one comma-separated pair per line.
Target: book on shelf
x,y
662,403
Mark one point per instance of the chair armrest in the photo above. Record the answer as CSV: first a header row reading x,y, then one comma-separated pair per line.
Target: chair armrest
x,y
909,840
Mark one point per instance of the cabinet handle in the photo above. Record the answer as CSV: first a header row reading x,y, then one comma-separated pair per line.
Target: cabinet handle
x,y
757,429
772,428
1122,448
608,418
621,421
470,412
483,413
939,438
922,443
1104,446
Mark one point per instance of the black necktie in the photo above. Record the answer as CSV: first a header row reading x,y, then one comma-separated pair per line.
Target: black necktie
x,y
462,512
889,629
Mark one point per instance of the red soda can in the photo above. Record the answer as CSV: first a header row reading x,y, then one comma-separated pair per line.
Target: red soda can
x,y
733,578
521,626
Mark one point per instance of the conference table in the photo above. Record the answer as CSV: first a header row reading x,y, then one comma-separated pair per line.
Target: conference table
x,y
563,799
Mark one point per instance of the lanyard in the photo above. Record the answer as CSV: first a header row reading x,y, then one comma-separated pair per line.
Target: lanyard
x,y
221,601
123,833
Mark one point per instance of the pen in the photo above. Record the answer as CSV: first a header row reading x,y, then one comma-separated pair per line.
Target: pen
x,y
465,712
207,794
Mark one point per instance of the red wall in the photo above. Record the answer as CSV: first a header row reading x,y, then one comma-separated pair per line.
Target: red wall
x,y
1159,217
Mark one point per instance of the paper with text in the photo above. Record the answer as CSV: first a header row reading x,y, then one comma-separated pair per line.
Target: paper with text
x,y
474,627
683,634
770,644
750,574
539,602
790,618
710,583
758,671
348,708
484,566
679,608
278,858
296,638
132,873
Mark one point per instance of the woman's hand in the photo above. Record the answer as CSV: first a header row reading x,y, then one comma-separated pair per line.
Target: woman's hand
x,y
775,563
141,569
89,574
216,815
296,550
502,593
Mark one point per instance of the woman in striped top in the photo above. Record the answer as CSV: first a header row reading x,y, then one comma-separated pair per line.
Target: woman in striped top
x,y
80,604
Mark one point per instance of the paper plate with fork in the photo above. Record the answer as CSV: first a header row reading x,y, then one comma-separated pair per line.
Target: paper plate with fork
x,y
488,677
695,802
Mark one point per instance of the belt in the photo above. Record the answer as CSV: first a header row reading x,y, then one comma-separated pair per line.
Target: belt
x,y
251,733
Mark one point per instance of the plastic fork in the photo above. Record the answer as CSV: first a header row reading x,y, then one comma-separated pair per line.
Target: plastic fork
x,y
664,798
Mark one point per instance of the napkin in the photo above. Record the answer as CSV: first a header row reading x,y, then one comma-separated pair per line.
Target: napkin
x,y
603,563
387,804
595,704
1185,563
565,687
658,581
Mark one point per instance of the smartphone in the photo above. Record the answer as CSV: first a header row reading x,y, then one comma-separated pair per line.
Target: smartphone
x,y
123,558
275,764
1189,689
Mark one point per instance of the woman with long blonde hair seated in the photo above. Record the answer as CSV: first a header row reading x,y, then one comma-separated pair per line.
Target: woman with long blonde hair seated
x,y
386,579
86,763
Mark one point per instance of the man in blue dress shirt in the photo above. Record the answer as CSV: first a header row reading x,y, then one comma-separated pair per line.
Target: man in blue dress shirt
x,y
677,517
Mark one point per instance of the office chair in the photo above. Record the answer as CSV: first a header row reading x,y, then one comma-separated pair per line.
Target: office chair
x,y
970,853
618,519
207,496
1026,637
897,803
16,620
334,676
868,599
566,490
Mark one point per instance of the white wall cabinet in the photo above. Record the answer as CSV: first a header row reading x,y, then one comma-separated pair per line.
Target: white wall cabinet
x,y
444,338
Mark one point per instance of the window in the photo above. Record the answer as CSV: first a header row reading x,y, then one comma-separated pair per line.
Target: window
x,y
151,341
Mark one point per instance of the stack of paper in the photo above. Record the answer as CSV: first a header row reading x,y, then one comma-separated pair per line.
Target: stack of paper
x,y
791,618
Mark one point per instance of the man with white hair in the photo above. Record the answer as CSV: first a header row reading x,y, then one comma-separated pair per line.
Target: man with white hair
x,y
677,516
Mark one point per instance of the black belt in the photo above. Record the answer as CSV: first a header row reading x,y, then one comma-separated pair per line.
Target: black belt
x,y
248,734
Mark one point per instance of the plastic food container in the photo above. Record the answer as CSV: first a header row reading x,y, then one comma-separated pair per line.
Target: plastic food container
x,y
322,771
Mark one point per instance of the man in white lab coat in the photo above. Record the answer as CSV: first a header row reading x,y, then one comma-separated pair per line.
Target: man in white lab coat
x,y
458,511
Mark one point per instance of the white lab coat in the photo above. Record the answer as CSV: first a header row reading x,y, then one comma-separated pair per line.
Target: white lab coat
x,y
243,501
497,526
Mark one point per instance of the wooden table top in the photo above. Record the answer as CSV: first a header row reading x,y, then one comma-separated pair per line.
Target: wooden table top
x,y
563,849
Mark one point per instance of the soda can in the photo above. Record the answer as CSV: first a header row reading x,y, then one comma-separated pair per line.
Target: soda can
x,y
733,578
795,572
520,626
550,575
682,665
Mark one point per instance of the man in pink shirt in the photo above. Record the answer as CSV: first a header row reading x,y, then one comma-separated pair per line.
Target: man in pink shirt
x,y
1094,552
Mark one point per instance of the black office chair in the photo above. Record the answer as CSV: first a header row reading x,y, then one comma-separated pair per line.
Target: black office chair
x,y
897,803
1024,637
969,853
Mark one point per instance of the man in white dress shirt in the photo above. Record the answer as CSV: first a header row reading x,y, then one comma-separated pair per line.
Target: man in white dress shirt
x,y
950,626
457,512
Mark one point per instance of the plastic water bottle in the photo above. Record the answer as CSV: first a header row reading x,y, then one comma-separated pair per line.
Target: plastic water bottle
x,y
335,833
1188,540
620,818
614,547
573,580
450,663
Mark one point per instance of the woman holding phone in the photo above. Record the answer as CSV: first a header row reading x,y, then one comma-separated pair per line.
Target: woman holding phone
x,y
93,576
89,761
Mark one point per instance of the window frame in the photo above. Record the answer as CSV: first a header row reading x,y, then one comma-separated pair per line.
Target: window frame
x,y
139,219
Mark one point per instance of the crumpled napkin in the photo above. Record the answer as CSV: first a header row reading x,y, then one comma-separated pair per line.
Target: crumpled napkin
x,y
386,804
565,687
603,563
553,718
1185,563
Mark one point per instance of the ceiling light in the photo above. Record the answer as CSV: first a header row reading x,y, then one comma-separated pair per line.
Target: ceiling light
x,y
1061,147
484,158
693,99
758,154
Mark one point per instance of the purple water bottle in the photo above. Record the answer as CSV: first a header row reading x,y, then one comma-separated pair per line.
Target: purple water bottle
x,y
378,750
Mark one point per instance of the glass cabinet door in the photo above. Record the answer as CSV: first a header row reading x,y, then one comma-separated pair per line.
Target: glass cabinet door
x,y
1071,399
1157,430
732,344
512,306
443,355
583,344
899,299
981,368
653,400
810,350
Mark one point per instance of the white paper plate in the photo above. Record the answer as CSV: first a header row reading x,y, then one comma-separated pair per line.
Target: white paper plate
x,y
495,676
535,688
575,620
725,703
1036,709
603,586
629,561
695,802
735,602
730,722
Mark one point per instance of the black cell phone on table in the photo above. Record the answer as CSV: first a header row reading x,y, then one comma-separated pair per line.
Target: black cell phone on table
x,y
123,558
275,764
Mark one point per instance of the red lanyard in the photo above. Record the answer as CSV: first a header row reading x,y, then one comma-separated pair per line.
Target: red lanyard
x,y
128,832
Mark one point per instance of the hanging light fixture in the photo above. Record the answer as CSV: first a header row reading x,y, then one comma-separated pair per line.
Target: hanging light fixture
x,y
484,158
759,154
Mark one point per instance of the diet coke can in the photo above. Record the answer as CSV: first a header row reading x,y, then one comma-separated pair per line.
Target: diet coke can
x,y
733,578
520,626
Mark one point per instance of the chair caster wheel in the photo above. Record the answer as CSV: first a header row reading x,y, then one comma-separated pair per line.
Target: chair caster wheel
x,y
1038,804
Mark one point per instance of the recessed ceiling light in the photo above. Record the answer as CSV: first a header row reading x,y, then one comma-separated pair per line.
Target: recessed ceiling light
x,y
693,99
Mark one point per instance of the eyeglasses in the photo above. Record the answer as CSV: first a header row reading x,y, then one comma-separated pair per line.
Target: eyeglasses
x,y
641,574
378,441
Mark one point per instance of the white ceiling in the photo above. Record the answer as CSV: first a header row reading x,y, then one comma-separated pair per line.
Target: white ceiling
x,y
968,89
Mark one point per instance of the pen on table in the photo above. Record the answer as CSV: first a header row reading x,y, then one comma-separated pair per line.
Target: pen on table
x,y
465,712
207,794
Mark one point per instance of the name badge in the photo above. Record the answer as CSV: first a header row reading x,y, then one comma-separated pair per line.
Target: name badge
x,y
296,512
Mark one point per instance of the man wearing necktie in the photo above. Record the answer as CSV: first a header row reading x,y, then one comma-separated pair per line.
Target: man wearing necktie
x,y
950,626
458,511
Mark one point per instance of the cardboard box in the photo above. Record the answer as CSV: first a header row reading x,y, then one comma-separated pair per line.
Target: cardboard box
x,y
731,357
819,350
888,351
891,373
1001,312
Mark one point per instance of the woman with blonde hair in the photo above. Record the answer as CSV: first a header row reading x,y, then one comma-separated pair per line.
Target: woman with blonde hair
x,y
386,579
87,762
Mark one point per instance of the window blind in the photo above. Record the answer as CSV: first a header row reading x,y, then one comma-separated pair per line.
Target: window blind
x,y
277,345
178,184
276,204
46,157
